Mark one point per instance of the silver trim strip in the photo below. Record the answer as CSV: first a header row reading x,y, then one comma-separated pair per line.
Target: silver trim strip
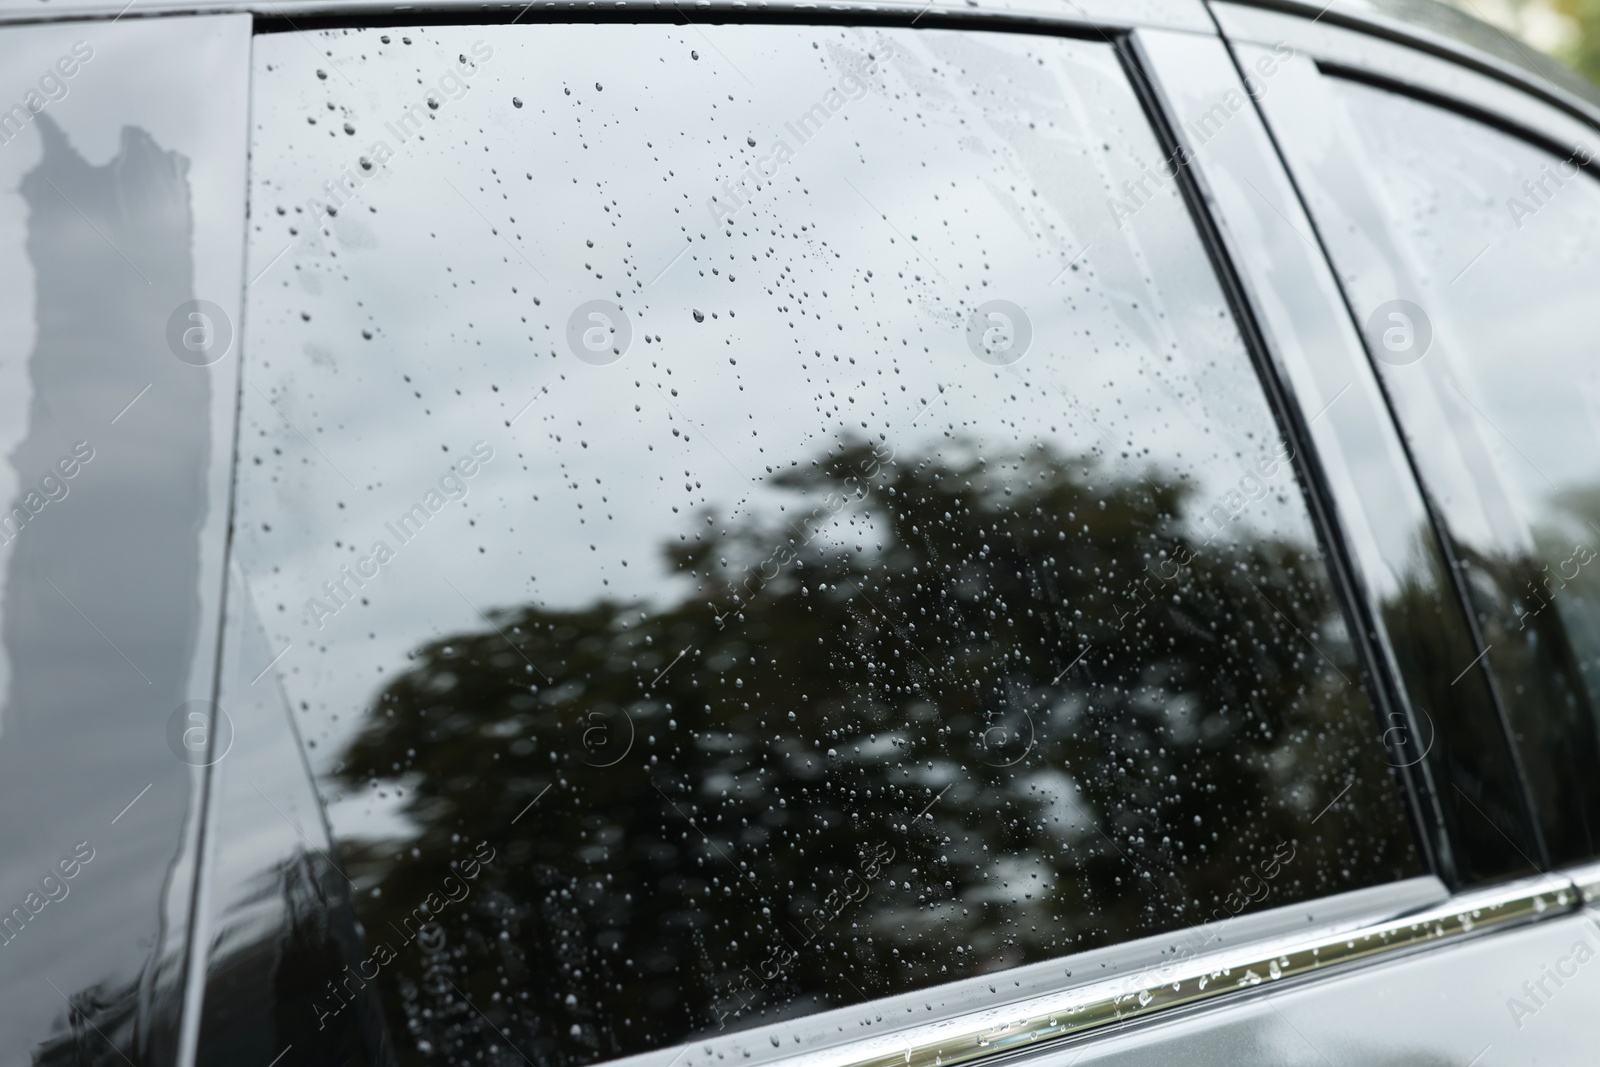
x,y
1038,1021
1586,880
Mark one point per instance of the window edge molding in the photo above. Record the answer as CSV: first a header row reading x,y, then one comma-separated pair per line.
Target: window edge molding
x,y
1391,924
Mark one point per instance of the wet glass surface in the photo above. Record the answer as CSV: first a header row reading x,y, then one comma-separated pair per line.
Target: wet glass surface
x,y
757,519
121,202
1445,722
279,922
1467,256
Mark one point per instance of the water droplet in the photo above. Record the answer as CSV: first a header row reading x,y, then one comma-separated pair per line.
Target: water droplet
x,y
516,101
699,316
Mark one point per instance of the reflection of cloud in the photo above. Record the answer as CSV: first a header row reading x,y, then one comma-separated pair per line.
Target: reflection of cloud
x,y
102,607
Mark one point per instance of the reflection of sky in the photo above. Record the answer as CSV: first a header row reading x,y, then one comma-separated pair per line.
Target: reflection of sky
x,y
166,106
104,601
1524,385
823,320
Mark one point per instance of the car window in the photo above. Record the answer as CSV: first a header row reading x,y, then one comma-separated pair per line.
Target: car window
x,y
1467,251
757,519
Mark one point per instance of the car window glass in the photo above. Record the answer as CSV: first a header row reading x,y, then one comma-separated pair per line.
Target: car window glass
x,y
756,519
1484,339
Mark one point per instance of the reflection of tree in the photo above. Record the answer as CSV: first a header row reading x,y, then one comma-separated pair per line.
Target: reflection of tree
x,y
1477,791
261,984
1537,619
1577,515
843,710
1580,45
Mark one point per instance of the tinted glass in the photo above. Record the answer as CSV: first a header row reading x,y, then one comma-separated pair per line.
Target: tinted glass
x,y
1443,721
1472,266
757,519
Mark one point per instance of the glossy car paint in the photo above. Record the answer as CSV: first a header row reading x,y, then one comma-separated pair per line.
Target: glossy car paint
x,y
121,202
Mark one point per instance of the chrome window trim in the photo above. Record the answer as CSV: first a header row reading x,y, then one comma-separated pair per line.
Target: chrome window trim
x,y
829,1035
1586,880
1091,17
1204,979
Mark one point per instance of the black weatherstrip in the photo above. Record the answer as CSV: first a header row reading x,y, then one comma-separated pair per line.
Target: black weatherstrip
x,y
676,15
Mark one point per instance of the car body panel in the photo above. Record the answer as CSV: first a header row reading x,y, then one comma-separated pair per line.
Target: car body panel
x,y
123,205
